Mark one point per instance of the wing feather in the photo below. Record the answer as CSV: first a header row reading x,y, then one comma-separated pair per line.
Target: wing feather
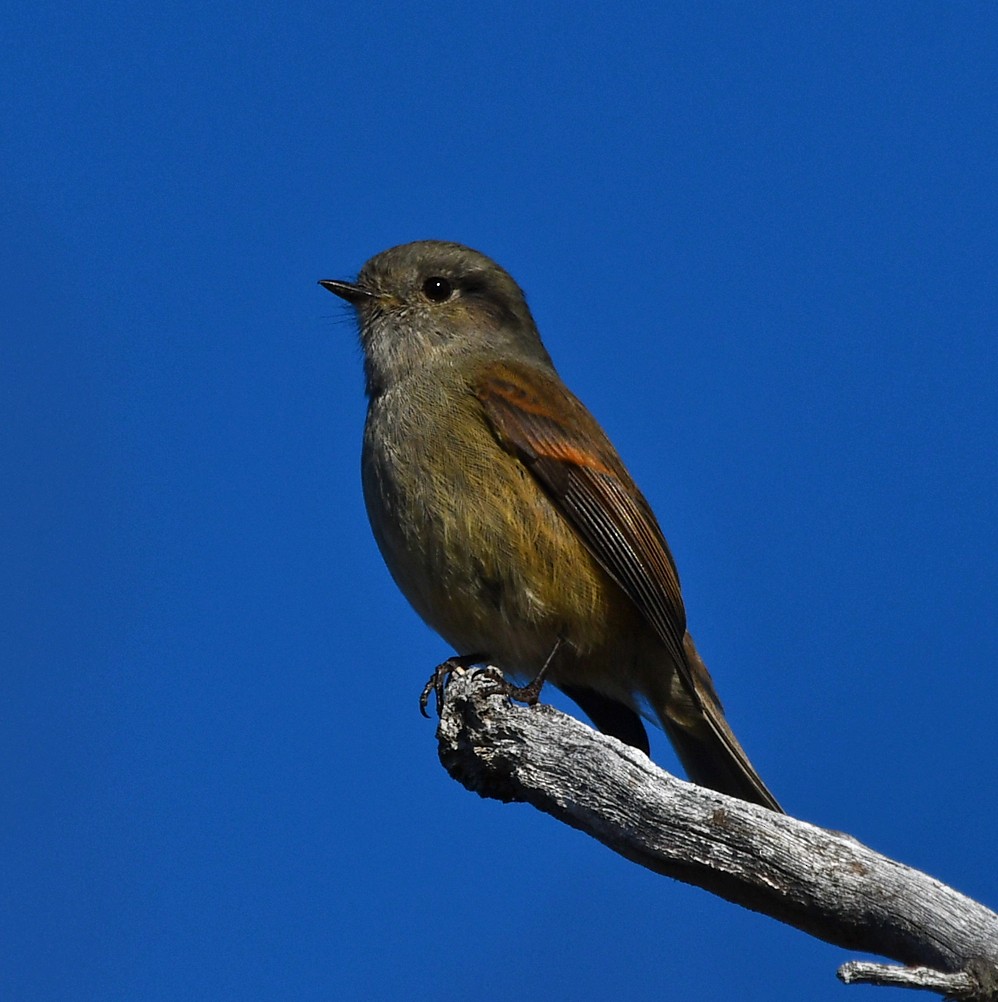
x,y
534,416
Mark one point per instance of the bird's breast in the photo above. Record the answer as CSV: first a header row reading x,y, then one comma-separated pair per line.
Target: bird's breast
x,y
472,540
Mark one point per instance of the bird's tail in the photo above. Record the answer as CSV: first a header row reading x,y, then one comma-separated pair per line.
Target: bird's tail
x,y
706,746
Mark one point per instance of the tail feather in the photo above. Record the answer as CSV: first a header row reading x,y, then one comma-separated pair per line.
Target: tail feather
x,y
706,745
719,764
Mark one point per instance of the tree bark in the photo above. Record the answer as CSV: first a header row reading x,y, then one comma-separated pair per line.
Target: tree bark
x,y
823,882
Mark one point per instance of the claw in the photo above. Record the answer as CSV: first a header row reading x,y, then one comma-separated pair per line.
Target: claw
x,y
440,677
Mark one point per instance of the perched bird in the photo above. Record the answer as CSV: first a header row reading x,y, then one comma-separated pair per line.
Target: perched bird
x,y
506,516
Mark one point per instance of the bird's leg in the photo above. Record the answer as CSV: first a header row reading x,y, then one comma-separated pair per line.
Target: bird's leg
x,y
531,692
441,675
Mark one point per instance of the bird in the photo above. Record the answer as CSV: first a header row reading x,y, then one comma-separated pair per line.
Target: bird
x,y
508,519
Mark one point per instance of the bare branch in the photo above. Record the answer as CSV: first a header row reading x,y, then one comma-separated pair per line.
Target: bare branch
x,y
958,985
823,882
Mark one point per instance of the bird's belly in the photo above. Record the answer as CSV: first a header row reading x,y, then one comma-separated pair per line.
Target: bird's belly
x,y
484,557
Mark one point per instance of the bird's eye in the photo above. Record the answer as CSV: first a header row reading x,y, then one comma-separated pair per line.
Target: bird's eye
x,y
437,289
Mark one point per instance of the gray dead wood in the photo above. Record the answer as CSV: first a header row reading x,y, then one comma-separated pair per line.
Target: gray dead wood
x,y
823,882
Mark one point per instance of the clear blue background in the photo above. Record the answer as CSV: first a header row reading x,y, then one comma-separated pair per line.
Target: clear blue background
x,y
760,241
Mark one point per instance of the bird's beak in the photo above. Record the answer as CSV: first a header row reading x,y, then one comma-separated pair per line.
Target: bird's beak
x,y
349,291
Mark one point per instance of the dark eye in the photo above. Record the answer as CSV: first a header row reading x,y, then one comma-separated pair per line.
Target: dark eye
x,y
437,289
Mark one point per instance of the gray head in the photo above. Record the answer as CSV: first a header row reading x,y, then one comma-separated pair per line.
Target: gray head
x,y
429,302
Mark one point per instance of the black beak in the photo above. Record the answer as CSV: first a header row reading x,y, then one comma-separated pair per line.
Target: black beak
x,y
349,291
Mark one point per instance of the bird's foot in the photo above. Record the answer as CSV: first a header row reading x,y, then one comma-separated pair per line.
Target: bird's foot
x,y
531,692
441,676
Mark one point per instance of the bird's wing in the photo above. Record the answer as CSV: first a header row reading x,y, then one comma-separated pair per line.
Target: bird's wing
x,y
537,419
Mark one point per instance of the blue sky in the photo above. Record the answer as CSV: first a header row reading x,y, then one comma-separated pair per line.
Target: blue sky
x,y
759,240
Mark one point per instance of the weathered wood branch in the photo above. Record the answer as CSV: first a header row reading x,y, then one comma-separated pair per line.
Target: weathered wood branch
x,y
823,882
957,985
